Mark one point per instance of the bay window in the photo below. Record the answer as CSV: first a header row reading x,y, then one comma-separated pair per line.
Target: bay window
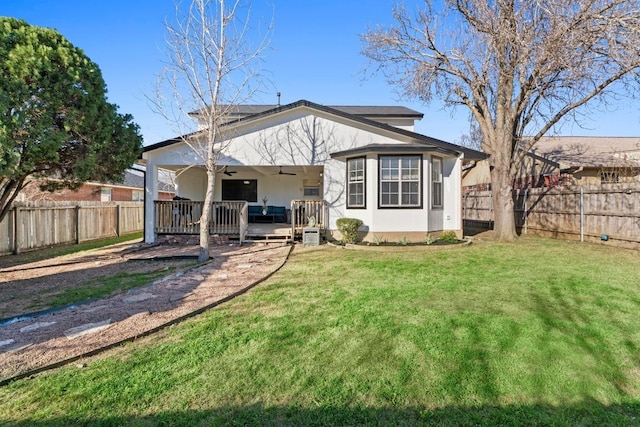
x,y
356,183
400,181
436,182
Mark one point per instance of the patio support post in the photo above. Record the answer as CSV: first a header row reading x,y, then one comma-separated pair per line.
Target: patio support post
x,y
151,194
293,220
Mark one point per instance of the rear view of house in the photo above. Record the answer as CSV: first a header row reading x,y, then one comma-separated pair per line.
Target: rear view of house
x,y
286,167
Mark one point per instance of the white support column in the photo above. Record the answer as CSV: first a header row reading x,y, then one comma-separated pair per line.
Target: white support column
x,y
151,194
456,212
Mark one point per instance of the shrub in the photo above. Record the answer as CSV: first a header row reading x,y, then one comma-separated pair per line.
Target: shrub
x,y
348,228
377,240
448,237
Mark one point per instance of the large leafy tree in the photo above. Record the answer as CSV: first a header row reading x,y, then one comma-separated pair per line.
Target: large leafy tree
x,y
56,125
521,67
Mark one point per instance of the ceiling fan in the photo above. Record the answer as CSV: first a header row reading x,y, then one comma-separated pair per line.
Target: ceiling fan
x,y
228,172
284,173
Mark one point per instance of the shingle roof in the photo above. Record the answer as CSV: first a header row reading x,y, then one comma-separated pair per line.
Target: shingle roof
x,y
389,111
133,180
389,148
414,137
590,151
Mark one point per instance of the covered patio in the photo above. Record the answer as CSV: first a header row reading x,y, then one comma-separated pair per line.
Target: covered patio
x,y
251,202
231,218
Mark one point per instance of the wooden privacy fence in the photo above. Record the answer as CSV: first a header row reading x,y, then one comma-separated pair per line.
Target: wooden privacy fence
x,y
34,225
609,212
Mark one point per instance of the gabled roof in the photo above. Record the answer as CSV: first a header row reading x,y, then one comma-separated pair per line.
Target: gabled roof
x,y
590,151
379,111
389,148
340,112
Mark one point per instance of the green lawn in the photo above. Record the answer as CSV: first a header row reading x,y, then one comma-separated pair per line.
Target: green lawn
x,y
56,251
540,332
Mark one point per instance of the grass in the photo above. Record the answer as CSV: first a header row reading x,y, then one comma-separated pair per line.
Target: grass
x,y
540,332
105,286
56,251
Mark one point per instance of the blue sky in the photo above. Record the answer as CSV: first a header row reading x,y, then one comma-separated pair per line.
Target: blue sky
x,y
314,55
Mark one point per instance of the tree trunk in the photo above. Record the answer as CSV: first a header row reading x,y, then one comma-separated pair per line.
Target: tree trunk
x,y
205,219
504,226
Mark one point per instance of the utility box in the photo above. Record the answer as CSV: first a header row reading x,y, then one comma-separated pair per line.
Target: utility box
x,y
311,236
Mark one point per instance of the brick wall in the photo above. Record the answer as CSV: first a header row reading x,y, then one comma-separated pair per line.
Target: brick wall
x,y
86,193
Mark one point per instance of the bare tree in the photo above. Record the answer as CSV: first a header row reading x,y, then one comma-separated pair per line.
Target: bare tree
x,y
212,52
473,139
520,67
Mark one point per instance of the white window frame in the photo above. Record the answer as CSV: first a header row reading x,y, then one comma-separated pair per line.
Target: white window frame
x,y
437,194
137,195
404,174
105,194
356,179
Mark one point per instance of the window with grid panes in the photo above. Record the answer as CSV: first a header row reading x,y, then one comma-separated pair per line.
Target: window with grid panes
x,y
436,182
356,182
400,181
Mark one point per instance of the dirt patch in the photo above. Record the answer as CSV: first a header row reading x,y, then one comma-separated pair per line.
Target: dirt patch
x,y
32,344
26,287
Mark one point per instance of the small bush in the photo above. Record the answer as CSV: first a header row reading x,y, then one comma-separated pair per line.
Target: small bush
x,y
448,237
429,239
348,228
377,240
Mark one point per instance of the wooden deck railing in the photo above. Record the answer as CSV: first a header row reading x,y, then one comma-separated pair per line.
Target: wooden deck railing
x,y
302,210
183,217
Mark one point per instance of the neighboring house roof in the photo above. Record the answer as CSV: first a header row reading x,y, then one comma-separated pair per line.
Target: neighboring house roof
x,y
343,112
590,151
135,181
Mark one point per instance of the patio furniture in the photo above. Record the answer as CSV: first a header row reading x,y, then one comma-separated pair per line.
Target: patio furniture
x,y
274,214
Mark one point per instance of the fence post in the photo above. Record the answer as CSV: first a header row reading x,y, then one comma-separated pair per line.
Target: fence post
x,y
464,209
491,208
118,218
582,214
77,209
526,206
16,231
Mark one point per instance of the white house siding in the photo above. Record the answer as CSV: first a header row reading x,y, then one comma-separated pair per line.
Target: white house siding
x,y
191,183
402,124
450,216
245,150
